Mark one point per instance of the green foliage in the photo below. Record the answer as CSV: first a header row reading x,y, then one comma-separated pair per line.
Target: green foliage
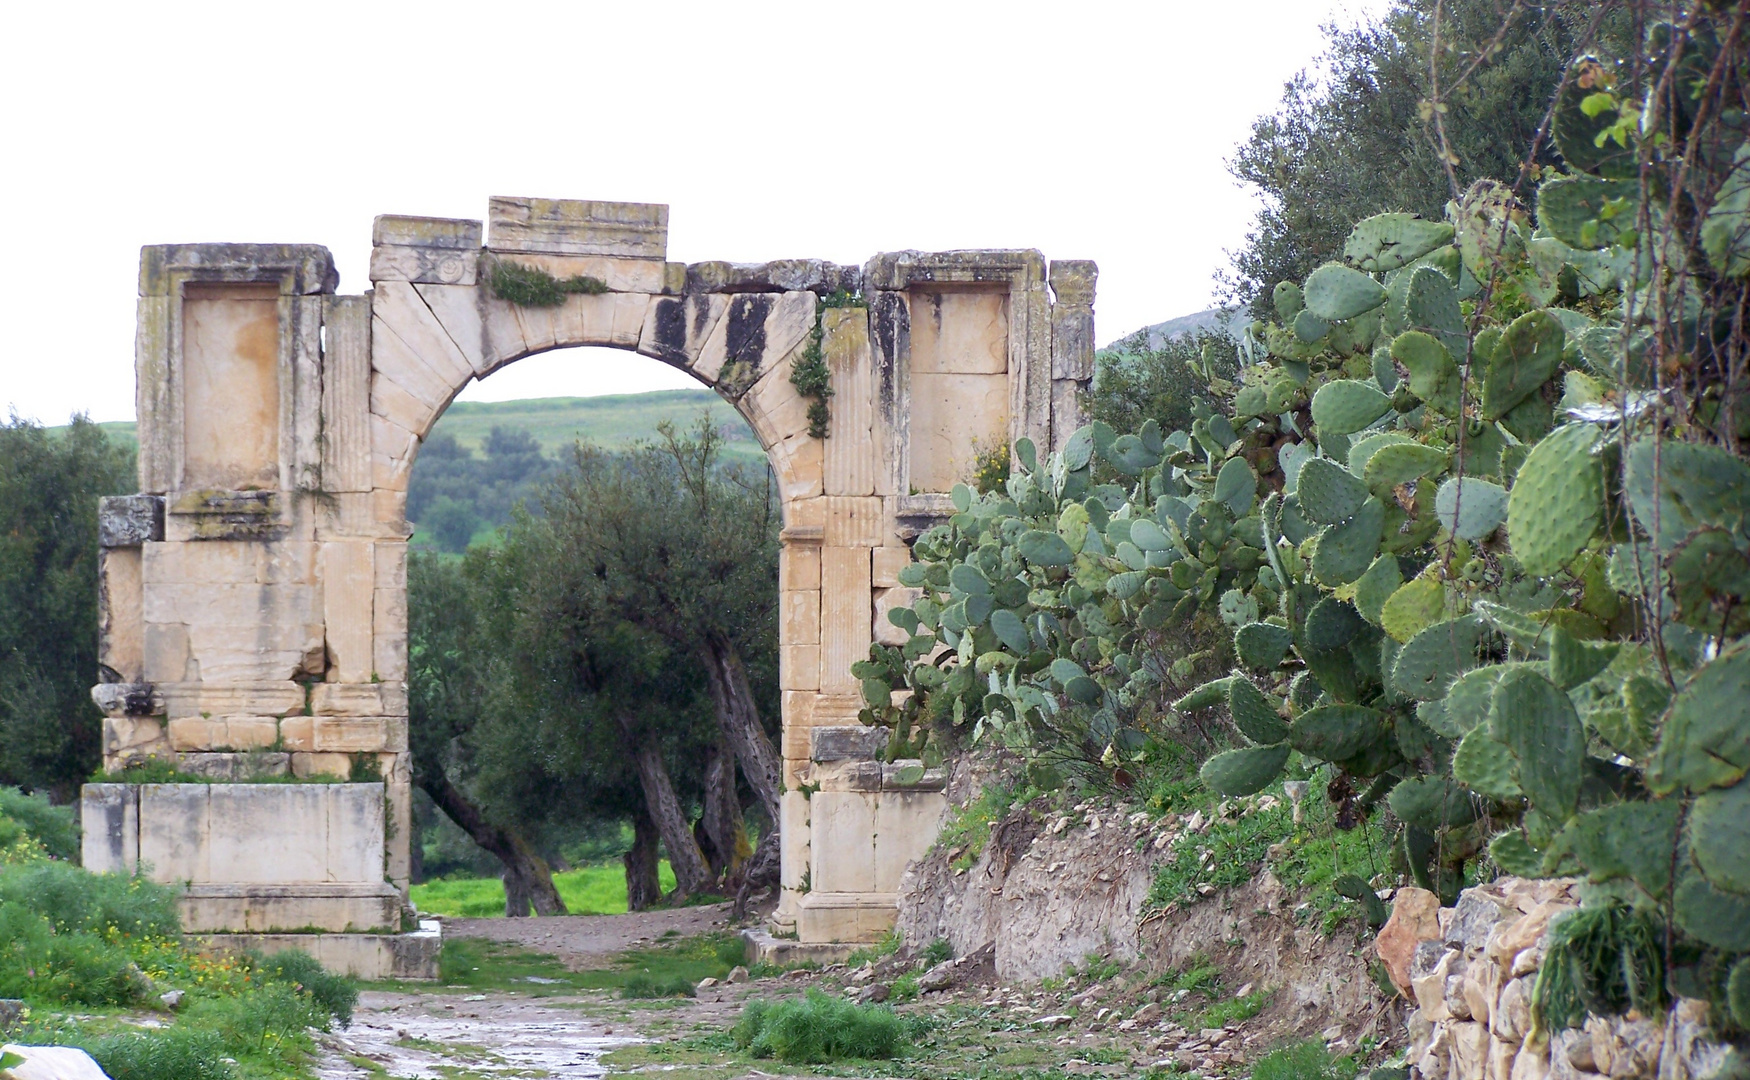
x,y
1306,1060
335,995
530,286
54,827
1603,960
816,1028
49,487
179,1053
811,378
587,890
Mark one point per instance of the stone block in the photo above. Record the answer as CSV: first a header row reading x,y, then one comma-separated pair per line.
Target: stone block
x,y
839,917
391,262
756,332
676,328
614,319
780,275
346,394
841,826
391,564
130,740
156,403
853,454
296,269
298,732
398,811
799,667
174,831
389,511
222,732
389,652
906,823
799,567
641,276
348,592
1072,333
885,564
846,743
121,645
959,333
129,520
349,735
397,404
577,227
1414,919
166,653
126,699
846,612
401,309
358,699
1067,410
804,521
234,766
306,765
268,907
793,838
799,618
230,373
451,234
457,309
853,522
109,828
843,776
885,600
797,463
954,418
772,407
389,645
266,698
368,957
392,451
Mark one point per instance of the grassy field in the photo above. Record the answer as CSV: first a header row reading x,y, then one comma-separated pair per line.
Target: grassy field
x,y
614,421
588,890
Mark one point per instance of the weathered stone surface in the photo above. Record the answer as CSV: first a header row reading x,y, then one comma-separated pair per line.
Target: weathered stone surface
x,y
903,269
235,766
1512,1015
129,520
1470,1050
756,332
846,611
121,644
1413,919
1072,318
438,266
857,743
577,227
779,275
1473,918
231,376
346,394
297,269
853,454
676,328
449,234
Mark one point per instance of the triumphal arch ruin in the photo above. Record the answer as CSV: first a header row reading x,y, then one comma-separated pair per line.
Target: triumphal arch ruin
x,y
254,610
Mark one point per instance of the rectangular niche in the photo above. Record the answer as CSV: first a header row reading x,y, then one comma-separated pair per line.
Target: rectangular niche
x,y
230,386
959,382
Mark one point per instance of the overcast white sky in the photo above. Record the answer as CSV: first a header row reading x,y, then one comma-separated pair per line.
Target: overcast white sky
x,y
1088,130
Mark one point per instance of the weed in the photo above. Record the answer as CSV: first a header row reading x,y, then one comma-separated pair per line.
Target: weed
x,y
178,1053
1308,1060
818,1028
334,993
937,952
1227,1012
969,829
641,985
887,946
75,900
530,286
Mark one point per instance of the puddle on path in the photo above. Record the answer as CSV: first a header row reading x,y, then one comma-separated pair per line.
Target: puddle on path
x,y
408,1036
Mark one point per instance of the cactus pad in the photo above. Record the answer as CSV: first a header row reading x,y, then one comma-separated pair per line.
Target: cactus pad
x,y
1433,376
1261,646
1719,835
1514,854
1557,500
1376,586
1343,552
1364,449
1738,992
1236,486
1331,624
1526,357
1043,548
1470,508
1469,697
1572,661
1706,740
1347,405
1716,916
1431,305
1336,293
1415,606
1436,656
1532,717
1585,212
1253,713
1485,766
1245,771
1328,493
1697,486
1627,840
1388,241
1210,693
1432,802
1336,732
1401,463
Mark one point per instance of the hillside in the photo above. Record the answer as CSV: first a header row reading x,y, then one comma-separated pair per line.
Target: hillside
x,y
1155,336
613,421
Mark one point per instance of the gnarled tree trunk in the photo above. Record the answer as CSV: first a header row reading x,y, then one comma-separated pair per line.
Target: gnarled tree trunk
x,y
527,881
739,719
691,875
720,828
643,886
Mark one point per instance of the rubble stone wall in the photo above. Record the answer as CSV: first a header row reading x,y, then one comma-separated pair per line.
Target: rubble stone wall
x,y
1470,970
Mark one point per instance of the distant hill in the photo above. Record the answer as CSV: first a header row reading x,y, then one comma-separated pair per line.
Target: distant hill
x,y
614,421
1215,320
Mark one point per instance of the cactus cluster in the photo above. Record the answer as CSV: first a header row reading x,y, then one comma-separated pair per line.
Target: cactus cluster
x,y
1473,560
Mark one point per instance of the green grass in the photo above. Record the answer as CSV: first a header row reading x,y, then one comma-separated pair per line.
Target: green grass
x,y
816,1028
659,971
588,890
1308,1060
970,827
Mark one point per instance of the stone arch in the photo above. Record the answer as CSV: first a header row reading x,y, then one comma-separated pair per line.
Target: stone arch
x,y
254,594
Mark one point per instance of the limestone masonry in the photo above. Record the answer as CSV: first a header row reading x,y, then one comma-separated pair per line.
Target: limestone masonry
x,y
253,604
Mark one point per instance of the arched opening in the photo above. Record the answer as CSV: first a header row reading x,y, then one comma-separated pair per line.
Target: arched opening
x,y
525,759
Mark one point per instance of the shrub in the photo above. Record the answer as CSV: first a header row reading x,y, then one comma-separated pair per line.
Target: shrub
x,y
335,994
54,827
643,985
818,1028
176,1053
259,1022
37,963
937,952
76,900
